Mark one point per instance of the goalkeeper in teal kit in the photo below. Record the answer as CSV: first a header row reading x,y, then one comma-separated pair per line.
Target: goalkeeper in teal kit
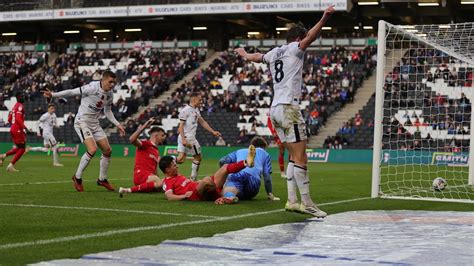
x,y
245,184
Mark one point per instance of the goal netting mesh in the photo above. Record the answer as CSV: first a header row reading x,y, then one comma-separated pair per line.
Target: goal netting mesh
x,y
427,101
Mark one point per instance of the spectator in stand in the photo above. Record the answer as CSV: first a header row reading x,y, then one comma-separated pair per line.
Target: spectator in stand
x,y
172,138
70,118
220,142
358,120
3,107
243,139
131,126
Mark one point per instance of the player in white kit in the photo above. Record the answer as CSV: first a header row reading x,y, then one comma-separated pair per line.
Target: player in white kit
x,y
96,97
189,116
47,122
286,66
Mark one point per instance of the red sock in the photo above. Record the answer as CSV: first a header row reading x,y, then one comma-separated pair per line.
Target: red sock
x,y
12,151
18,155
235,167
281,161
145,187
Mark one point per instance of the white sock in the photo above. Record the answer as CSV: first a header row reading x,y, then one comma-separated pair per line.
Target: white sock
x,y
104,166
85,159
55,155
194,169
43,149
302,179
291,182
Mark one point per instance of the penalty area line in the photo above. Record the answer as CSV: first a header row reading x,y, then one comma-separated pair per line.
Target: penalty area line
x,y
153,227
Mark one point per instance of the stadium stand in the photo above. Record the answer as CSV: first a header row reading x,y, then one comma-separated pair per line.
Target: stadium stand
x,y
239,93
141,76
14,5
435,115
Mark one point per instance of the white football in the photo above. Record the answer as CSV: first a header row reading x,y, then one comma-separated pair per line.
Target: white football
x,y
439,184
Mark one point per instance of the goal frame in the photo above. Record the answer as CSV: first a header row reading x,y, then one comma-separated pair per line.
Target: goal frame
x,y
378,120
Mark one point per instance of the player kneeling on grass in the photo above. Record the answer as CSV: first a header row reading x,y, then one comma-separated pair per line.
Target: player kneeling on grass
x,y
145,177
178,187
245,184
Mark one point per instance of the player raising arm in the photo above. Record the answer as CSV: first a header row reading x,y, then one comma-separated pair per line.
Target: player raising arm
x,y
187,142
286,66
147,157
96,97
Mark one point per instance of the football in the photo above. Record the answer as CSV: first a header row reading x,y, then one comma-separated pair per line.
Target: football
x,y
439,184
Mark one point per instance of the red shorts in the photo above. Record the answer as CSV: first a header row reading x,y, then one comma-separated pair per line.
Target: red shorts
x,y
18,136
277,139
140,177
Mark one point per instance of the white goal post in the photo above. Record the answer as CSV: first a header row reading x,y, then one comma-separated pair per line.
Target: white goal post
x,y
423,121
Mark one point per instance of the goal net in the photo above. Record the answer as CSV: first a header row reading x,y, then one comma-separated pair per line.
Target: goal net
x,y
423,120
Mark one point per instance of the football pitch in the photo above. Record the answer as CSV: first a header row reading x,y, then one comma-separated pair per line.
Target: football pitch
x,y
44,218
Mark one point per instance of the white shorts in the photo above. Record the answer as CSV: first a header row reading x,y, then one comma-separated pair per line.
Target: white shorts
x,y
288,123
89,130
49,139
195,149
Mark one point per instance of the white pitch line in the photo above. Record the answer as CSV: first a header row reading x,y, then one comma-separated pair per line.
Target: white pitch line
x,y
62,181
103,209
54,182
342,201
145,228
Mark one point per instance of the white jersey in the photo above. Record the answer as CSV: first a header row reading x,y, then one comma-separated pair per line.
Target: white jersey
x,y
94,100
189,115
47,122
286,66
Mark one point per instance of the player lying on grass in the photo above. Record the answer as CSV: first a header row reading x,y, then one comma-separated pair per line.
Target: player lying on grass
x,y
147,157
178,187
245,184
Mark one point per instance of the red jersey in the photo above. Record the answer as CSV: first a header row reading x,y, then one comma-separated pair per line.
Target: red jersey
x,y
147,157
180,185
17,116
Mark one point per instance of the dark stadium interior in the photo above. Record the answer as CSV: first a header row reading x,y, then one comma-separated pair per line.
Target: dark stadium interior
x,y
226,26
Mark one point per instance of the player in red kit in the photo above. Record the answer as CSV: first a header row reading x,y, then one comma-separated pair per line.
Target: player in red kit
x,y
16,118
281,147
178,187
147,157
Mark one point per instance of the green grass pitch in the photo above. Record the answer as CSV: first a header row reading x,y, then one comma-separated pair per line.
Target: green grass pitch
x,y
42,217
